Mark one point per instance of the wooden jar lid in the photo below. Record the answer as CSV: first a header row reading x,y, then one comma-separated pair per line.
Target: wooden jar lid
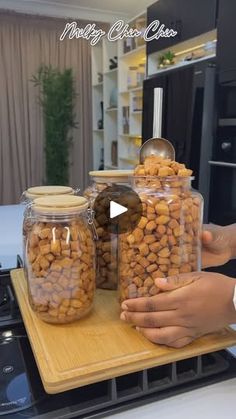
x,y
119,176
60,204
37,191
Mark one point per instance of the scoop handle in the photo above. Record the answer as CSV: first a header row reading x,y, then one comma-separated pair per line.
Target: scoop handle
x,y
157,112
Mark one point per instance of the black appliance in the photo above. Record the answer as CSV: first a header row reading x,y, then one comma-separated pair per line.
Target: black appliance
x,y
223,166
226,32
22,394
188,119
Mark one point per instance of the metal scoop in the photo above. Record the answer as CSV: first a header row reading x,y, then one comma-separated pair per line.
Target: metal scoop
x,y
158,147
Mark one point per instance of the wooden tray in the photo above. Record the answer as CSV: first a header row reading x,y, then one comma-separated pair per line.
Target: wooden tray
x,y
99,346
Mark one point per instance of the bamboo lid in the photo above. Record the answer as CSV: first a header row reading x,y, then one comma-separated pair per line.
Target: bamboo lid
x,y
121,176
37,191
60,204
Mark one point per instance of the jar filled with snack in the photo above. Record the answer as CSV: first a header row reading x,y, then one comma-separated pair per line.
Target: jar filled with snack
x,y
60,258
106,243
167,239
36,192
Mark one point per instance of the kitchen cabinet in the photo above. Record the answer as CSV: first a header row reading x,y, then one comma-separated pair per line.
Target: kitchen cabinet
x,y
189,18
166,12
177,109
226,33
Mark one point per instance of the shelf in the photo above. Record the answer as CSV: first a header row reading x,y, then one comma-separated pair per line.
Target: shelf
x,y
111,167
111,109
98,84
135,89
133,52
181,64
131,136
137,112
111,71
129,160
198,45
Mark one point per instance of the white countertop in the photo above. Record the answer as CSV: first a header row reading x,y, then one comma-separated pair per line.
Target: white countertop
x,y
11,218
217,401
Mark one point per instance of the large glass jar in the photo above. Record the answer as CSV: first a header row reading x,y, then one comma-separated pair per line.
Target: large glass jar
x,y
167,239
60,259
106,243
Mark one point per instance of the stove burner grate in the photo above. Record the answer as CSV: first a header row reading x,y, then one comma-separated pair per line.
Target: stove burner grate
x,y
9,310
3,297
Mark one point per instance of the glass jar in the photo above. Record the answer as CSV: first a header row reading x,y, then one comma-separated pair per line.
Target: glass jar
x,y
132,77
36,192
137,102
106,243
60,259
141,74
167,239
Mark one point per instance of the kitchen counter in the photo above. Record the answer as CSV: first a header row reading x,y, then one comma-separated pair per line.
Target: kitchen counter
x,y
216,400
11,218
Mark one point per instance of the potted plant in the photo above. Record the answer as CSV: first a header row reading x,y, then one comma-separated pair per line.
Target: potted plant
x,y
166,59
57,96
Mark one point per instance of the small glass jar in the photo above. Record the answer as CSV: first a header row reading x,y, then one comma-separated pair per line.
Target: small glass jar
x,y
166,241
141,74
36,192
132,77
106,244
60,259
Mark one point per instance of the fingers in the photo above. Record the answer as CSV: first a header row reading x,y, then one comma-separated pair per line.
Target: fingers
x,y
151,320
164,301
160,302
214,238
174,336
207,237
177,281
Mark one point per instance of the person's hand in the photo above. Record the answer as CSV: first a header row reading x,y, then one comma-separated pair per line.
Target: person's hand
x,y
178,317
216,245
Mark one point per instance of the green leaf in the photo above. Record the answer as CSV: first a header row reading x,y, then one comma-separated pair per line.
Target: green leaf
x,y
57,99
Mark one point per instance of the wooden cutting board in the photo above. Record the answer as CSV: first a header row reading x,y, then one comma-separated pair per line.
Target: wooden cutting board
x,y
99,346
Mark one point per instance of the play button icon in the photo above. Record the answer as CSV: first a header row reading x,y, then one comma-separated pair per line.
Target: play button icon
x,y
117,209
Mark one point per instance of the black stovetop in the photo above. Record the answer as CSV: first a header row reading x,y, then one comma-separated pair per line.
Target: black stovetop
x,y
22,394
9,310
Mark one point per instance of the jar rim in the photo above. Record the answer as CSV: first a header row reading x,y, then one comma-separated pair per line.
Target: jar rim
x,y
111,173
166,178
